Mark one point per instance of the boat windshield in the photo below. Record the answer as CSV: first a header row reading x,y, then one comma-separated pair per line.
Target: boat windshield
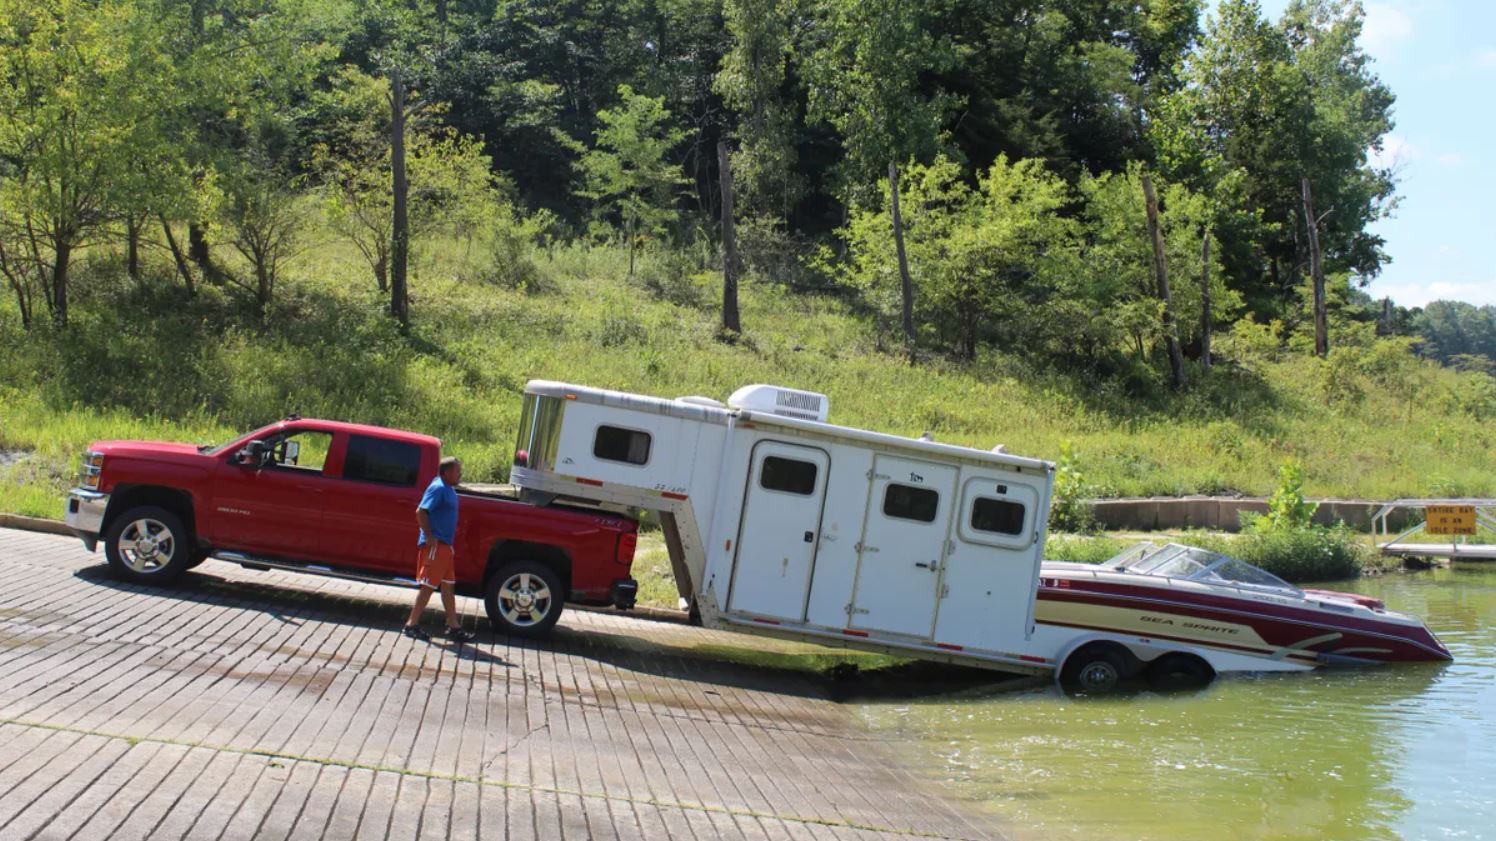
x,y
1192,563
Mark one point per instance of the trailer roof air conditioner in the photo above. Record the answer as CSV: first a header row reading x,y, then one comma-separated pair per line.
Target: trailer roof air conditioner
x,y
787,402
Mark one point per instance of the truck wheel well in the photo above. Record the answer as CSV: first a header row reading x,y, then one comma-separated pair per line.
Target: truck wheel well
x,y
177,501
524,550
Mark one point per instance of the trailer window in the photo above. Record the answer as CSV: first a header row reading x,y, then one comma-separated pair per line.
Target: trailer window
x,y
910,503
788,475
629,446
382,460
999,516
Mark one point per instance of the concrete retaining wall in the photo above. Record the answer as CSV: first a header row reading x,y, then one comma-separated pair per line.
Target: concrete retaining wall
x,y
1224,513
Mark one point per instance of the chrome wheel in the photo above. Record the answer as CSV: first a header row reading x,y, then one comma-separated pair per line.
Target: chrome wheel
x,y
1099,676
524,600
146,545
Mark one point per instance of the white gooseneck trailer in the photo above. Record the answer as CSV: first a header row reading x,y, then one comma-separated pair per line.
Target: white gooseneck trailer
x,y
782,524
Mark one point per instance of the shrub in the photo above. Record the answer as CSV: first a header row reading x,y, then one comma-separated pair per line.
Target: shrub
x,y
1084,550
1315,553
1070,505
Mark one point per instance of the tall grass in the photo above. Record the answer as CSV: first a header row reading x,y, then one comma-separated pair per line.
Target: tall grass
x,y
140,360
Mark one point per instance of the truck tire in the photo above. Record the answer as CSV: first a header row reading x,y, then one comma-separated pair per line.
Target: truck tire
x,y
147,545
524,599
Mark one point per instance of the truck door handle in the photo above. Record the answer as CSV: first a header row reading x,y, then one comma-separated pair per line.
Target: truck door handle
x,y
810,537
931,566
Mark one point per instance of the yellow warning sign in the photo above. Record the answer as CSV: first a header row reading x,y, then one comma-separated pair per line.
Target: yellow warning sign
x,y
1449,519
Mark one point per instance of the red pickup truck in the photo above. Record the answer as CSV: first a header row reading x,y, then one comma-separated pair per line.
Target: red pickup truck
x,y
339,499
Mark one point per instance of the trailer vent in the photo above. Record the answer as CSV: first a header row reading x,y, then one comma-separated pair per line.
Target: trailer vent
x,y
785,402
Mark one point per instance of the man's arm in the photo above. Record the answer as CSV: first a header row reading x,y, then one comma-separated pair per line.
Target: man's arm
x,y
424,521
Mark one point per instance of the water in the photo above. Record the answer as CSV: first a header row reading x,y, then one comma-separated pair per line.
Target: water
x,y
1380,752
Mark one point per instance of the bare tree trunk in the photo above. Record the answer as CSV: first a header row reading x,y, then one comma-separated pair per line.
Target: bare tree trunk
x,y
176,254
1161,272
132,246
399,245
199,251
633,240
906,284
1317,274
382,273
730,320
1205,298
63,252
19,284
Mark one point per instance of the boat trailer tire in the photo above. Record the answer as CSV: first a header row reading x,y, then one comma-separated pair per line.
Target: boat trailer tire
x,y
1181,670
1095,669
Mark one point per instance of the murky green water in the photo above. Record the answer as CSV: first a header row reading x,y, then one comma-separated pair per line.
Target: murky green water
x,y
1382,752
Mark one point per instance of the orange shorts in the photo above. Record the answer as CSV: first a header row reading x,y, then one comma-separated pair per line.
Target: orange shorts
x,y
435,565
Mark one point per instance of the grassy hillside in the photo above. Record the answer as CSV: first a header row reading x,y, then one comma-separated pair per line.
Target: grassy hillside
x,y
140,360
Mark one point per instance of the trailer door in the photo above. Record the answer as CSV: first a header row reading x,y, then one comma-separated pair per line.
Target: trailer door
x,y
780,530
903,546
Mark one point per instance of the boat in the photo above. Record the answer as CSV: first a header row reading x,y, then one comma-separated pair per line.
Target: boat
x,y
1158,608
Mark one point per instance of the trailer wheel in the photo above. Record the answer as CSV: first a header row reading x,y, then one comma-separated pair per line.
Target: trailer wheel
x,y
524,599
147,545
1179,671
1095,669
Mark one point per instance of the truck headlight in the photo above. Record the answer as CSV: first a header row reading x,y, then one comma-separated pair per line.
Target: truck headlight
x,y
93,466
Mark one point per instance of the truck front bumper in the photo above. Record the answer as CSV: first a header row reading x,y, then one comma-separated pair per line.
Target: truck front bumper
x,y
623,593
85,514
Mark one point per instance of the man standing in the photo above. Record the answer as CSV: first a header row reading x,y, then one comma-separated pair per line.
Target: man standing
x,y
437,516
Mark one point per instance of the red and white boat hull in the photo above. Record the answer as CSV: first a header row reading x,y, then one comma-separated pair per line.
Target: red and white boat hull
x,y
1311,629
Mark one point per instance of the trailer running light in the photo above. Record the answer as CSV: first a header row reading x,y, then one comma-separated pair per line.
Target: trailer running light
x,y
851,633
627,543
521,458
948,646
765,621
594,482
669,495
1032,659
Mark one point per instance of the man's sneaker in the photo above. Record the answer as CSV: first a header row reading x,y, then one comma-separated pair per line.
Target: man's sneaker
x,y
415,633
459,634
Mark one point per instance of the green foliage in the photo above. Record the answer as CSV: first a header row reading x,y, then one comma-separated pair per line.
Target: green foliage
x,y
865,71
1303,554
1070,507
628,173
1287,509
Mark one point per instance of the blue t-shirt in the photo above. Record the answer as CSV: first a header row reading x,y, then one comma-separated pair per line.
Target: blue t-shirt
x,y
440,502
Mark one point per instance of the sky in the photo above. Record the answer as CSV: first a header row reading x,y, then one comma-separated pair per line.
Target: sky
x,y
1439,59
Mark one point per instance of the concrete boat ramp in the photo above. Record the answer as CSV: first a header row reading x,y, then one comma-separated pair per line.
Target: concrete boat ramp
x,y
265,705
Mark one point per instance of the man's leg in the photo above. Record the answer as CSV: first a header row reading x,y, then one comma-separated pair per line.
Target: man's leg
x,y
423,596
449,603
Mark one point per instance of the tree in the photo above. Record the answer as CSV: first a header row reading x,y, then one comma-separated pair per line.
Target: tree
x,y
993,260
1117,275
1270,105
452,185
266,222
1161,273
76,95
627,173
752,81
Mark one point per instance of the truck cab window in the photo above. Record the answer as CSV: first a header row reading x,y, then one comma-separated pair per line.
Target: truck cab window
x,y
999,516
302,450
629,446
382,460
910,503
788,475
